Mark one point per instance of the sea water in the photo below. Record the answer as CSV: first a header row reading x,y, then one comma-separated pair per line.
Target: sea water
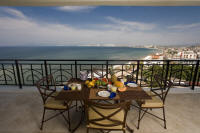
x,y
72,52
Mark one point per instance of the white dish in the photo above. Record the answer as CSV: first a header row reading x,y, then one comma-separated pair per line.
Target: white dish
x,y
132,85
103,93
65,83
61,87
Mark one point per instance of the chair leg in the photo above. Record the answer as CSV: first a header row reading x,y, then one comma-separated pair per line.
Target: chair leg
x,y
139,119
87,130
76,106
164,118
124,131
42,119
102,131
69,120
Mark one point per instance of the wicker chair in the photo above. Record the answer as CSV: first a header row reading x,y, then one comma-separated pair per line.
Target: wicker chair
x,y
106,117
158,96
47,88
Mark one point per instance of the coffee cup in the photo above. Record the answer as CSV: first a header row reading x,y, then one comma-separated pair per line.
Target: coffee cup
x,y
113,88
73,87
109,86
79,87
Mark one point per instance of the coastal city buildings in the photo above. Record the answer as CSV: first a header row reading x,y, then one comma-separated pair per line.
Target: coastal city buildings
x,y
172,53
182,53
176,53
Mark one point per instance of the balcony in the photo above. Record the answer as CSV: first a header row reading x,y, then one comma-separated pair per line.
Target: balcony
x,y
21,109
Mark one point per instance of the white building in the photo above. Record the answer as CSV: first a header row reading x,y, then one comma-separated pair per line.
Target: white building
x,y
187,55
198,55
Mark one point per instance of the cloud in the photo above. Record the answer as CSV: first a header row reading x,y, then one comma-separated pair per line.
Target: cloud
x,y
14,12
75,8
184,26
23,30
131,25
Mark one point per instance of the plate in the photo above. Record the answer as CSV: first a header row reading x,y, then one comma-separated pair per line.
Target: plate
x,y
103,93
65,83
132,85
61,87
102,86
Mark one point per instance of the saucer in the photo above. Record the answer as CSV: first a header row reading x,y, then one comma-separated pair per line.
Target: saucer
x,y
132,85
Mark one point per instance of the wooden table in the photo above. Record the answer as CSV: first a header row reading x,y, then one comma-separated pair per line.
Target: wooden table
x,y
136,93
132,93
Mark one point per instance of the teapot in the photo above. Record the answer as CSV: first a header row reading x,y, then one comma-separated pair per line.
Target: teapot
x,y
83,75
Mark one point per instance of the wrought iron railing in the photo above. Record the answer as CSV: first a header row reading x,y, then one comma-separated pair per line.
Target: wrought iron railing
x,y
24,72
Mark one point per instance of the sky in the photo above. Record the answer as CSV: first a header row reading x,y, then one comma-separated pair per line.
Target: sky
x,y
99,26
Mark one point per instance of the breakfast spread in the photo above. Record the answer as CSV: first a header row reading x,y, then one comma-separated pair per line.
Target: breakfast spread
x,y
112,85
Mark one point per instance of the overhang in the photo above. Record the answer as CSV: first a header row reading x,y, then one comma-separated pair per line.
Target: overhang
x,y
100,2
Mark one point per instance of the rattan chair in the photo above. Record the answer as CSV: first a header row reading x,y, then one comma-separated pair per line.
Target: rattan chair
x,y
106,117
47,88
158,96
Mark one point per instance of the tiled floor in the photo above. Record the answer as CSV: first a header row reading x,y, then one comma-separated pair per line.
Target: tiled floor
x,y
21,111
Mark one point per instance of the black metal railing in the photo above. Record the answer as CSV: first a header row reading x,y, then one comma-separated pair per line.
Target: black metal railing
x,y
24,72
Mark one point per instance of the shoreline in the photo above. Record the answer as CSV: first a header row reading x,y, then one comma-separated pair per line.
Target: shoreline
x,y
142,58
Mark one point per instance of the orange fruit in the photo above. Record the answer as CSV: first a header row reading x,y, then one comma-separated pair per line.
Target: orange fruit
x,y
121,89
118,84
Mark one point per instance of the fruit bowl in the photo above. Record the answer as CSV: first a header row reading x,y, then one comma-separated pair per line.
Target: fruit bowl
x,y
101,83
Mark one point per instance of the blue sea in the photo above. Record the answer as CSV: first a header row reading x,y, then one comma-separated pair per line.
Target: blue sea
x,y
72,52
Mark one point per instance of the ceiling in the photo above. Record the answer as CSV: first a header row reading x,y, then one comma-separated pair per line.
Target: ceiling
x,y
100,2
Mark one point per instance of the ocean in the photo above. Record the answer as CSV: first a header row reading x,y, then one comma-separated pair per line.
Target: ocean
x,y
72,52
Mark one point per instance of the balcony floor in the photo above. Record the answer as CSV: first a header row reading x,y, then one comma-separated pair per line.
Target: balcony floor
x,y
21,112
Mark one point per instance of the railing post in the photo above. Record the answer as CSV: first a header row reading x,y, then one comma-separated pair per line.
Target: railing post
x,y
138,68
195,75
46,72
166,73
107,69
76,69
18,74
4,73
45,67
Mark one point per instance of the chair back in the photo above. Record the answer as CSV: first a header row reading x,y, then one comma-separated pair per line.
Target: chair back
x,y
107,113
163,87
46,87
